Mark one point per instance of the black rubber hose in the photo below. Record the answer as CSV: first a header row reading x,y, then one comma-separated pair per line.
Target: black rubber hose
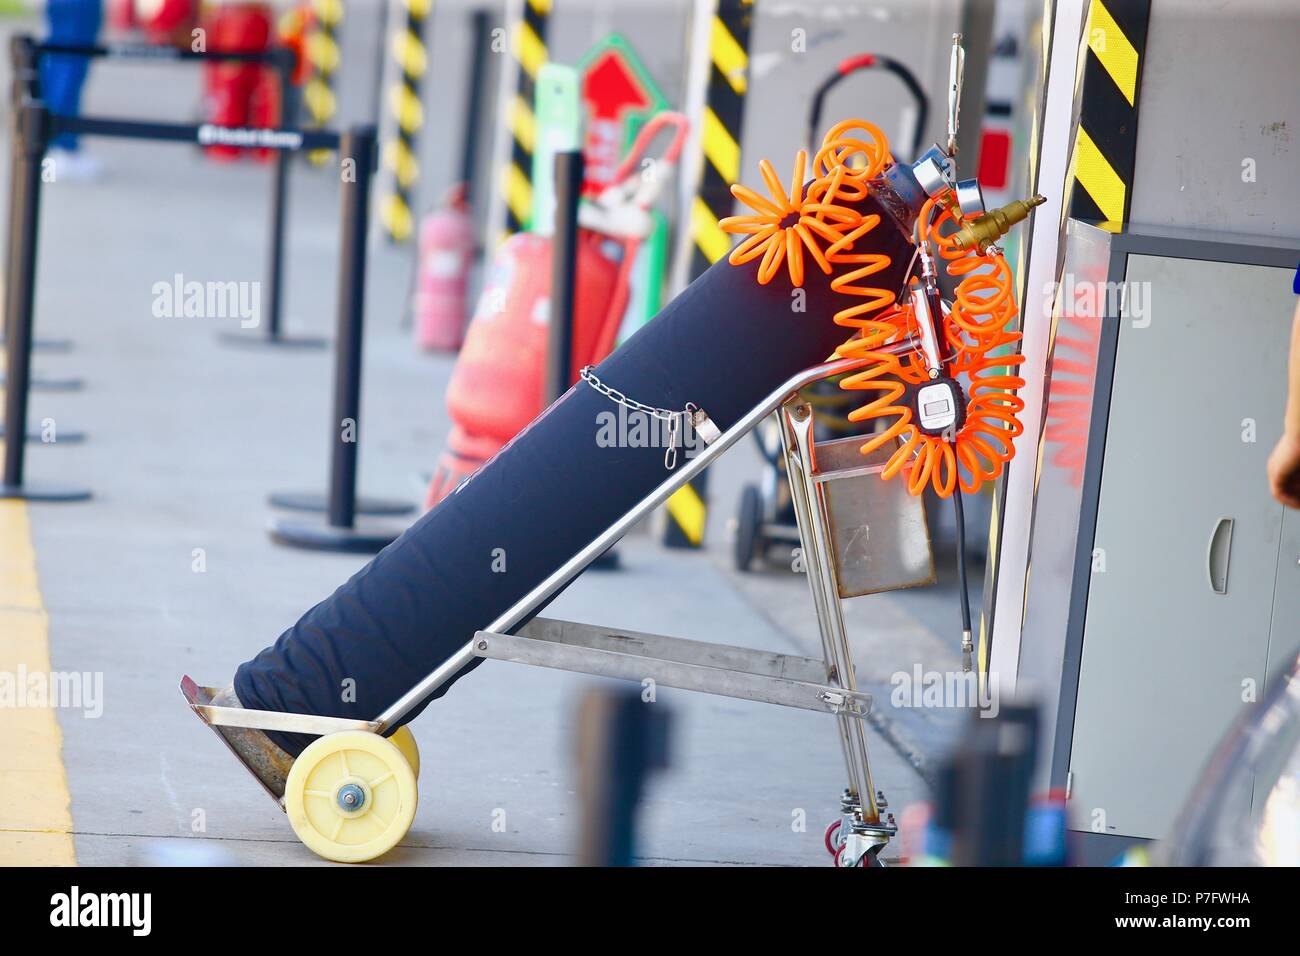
x,y
867,61
960,513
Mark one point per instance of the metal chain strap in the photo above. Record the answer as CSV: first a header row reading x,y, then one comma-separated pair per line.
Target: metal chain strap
x,y
675,417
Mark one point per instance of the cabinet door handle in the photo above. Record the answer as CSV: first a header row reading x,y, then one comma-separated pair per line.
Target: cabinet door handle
x,y
1218,555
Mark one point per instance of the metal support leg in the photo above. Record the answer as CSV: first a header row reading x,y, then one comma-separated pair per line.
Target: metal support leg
x,y
797,420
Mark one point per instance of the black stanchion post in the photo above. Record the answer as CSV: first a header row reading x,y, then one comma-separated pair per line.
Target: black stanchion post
x,y
564,268
282,61
569,172
25,85
481,25
275,251
351,309
26,76
340,533
30,137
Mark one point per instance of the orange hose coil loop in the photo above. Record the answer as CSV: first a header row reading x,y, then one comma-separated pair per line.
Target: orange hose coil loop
x,y
839,181
793,222
983,308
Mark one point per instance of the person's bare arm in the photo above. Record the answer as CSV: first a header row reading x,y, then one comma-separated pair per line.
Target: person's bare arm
x,y
1284,463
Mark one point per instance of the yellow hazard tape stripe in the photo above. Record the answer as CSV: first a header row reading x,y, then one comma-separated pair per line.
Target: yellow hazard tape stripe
x,y
323,52
519,192
409,53
1113,49
397,217
713,242
330,12
529,50
540,7
687,509
35,814
400,159
728,56
1098,177
721,147
406,108
523,125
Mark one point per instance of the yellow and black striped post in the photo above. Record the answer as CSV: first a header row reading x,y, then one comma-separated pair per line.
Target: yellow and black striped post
x,y
720,130
323,55
1105,147
408,114
721,124
528,46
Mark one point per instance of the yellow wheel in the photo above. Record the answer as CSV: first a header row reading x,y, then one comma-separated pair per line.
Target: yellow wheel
x,y
351,796
405,742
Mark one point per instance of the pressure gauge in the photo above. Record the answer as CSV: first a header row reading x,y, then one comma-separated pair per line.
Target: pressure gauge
x,y
939,406
970,199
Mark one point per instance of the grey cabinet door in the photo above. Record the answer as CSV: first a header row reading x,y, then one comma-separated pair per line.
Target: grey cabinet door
x,y
1178,622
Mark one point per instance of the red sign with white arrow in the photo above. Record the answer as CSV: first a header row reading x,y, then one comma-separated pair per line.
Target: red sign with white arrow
x,y
611,90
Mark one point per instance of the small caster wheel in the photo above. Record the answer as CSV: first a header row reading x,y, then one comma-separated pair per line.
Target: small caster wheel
x,y
404,740
833,838
351,796
870,859
749,525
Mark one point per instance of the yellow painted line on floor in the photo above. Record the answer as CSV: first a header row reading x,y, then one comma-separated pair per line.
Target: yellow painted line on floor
x,y
35,814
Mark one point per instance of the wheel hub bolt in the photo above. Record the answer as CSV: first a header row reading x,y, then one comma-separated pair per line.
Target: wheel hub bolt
x,y
351,797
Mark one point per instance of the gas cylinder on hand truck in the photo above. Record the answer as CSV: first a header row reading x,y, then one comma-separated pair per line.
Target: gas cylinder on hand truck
x,y
446,255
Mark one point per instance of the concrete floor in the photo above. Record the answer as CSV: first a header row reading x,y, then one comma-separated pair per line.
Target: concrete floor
x,y
186,437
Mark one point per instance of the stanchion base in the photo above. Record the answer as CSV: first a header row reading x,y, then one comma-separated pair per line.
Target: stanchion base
x,y
61,437
41,491
39,384
258,340
325,537
45,345
318,503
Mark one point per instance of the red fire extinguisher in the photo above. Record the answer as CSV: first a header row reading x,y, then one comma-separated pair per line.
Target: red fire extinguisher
x,y
167,22
239,94
446,253
498,383
121,15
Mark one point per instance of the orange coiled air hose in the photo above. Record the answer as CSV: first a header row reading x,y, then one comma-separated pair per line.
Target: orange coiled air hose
x,y
795,223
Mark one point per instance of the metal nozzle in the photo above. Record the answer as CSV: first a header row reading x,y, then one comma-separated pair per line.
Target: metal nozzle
x,y
956,71
994,224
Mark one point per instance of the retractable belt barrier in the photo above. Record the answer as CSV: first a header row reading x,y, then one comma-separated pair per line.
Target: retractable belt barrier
x,y
202,134
33,129
280,59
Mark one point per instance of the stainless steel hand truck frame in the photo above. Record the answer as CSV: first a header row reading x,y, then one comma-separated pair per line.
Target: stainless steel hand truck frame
x,y
857,537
